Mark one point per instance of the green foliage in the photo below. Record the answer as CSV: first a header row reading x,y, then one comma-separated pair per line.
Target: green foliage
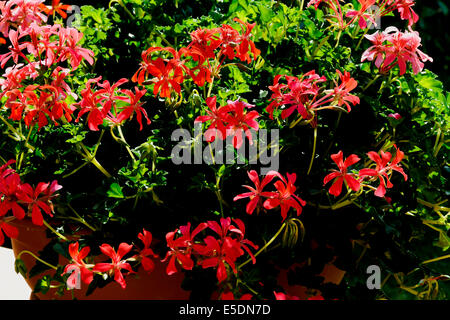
x,y
145,189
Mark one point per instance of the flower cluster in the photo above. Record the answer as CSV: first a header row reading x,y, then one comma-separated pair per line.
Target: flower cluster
x,y
384,163
392,47
21,199
48,47
368,10
20,13
284,196
304,95
78,269
220,250
230,120
110,103
201,60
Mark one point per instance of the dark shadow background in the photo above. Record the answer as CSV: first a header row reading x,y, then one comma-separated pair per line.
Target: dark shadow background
x,y
433,18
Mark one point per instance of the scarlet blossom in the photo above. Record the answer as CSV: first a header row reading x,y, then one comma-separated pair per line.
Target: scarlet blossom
x,y
56,7
117,263
341,175
90,104
134,106
285,197
404,7
239,120
2,41
10,188
203,43
218,252
256,193
317,297
168,73
384,168
39,199
147,263
342,92
217,116
246,45
245,243
181,247
362,14
9,230
297,95
229,41
78,269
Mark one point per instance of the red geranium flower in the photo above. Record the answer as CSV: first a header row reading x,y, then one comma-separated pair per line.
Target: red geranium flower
x,y
39,199
134,106
10,231
147,263
342,175
181,248
217,116
256,193
384,168
285,197
218,252
55,7
78,267
117,263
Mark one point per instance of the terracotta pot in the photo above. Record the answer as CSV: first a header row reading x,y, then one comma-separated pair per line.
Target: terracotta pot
x,y
140,286
330,273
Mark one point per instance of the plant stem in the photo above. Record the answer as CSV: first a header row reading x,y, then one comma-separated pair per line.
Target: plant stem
x,y
265,246
436,259
37,258
119,128
371,82
80,219
313,152
17,133
23,152
54,231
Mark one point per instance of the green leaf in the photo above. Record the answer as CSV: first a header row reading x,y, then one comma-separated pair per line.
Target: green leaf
x,y
115,191
19,267
43,285
444,241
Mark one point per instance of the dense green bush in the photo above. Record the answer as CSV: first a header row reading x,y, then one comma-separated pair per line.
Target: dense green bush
x,y
386,108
